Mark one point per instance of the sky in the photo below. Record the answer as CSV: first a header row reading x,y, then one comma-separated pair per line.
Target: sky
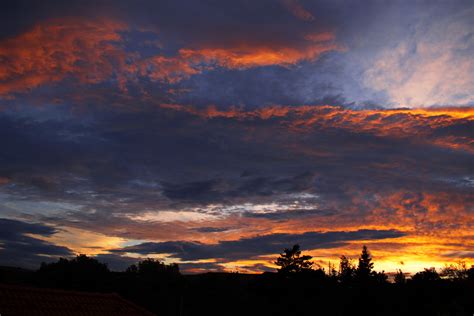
x,y
214,134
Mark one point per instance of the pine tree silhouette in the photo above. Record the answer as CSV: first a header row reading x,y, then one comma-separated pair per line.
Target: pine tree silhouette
x,y
291,261
346,270
365,268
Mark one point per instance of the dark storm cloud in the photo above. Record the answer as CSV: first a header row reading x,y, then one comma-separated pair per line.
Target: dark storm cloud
x,y
212,229
281,215
18,248
129,161
256,246
200,267
459,254
216,190
266,86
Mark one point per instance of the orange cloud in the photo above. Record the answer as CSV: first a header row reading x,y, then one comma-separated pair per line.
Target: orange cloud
x,y
191,61
93,51
166,69
442,115
400,123
241,57
298,10
49,52
4,180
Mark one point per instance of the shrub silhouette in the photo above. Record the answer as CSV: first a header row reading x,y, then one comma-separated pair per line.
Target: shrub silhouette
x,y
455,272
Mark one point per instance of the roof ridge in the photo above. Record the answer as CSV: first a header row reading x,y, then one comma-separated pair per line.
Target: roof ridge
x,y
32,291
51,290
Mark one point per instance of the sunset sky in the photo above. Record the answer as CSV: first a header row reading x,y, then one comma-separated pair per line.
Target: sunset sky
x,y
214,134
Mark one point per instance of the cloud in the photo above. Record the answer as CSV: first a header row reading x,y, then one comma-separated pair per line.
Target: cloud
x,y
54,50
279,215
20,246
261,172
459,254
246,56
432,66
212,229
310,166
217,190
201,267
209,126
4,180
298,10
256,246
241,53
393,123
99,50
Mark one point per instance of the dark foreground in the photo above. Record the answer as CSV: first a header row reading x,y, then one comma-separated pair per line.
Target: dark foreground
x,y
312,293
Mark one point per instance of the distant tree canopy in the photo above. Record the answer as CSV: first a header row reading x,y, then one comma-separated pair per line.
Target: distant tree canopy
x,y
160,288
80,262
355,288
428,275
149,267
80,272
291,261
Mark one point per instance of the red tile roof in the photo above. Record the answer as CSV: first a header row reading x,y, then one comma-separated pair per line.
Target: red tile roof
x,y
15,300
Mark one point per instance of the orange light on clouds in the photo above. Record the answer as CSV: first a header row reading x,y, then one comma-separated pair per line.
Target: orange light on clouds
x,y
93,51
83,241
399,123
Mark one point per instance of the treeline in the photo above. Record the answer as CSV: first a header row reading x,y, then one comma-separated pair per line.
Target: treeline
x,y
299,287
291,261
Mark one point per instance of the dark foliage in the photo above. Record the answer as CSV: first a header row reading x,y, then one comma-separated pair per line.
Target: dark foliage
x,y
346,270
80,273
162,289
400,277
426,276
365,268
291,261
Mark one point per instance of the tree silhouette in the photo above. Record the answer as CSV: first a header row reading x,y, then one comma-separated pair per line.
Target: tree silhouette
x,y
470,273
82,272
152,267
160,288
400,277
428,275
291,261
455,272
332,272
365,268
346,270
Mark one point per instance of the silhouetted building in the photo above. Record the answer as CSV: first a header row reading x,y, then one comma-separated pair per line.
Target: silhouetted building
x,y
15,300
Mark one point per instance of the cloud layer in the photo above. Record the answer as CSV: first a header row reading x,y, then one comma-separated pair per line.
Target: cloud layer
x,y
234,130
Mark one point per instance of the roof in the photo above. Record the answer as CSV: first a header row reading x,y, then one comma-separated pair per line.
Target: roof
x,y
16,300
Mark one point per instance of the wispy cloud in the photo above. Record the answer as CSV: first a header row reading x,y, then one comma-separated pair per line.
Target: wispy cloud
x,y
433,66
